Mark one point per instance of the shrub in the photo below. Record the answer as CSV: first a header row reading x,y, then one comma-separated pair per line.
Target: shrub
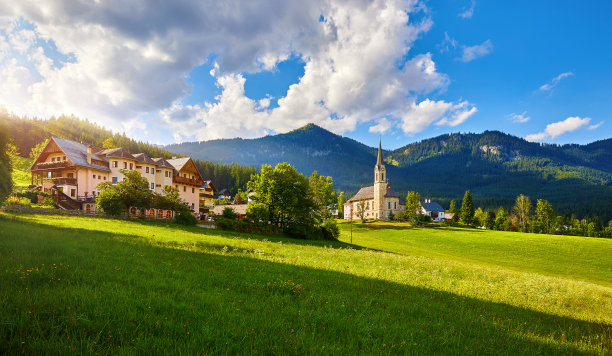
x,y
229,213
184,216
330,229
305,232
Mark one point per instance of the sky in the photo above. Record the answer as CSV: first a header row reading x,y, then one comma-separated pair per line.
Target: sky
x,y
396,70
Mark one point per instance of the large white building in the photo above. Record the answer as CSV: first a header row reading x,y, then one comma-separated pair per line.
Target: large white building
x,y
377,201
74,170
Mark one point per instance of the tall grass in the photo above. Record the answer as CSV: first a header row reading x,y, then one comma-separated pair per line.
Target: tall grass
x,y
84,285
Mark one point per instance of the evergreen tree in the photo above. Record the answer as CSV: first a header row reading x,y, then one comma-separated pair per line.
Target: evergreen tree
x,y
467,209
453,207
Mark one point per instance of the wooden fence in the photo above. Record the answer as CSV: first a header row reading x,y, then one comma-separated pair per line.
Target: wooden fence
x,y
24,209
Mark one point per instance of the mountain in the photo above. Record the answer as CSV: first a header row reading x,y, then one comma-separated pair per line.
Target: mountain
x,y
495,166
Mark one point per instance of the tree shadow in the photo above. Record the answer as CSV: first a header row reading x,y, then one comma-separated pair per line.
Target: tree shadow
x,y
236,303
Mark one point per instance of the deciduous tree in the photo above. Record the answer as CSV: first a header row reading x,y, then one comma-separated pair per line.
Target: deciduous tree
x,y
522,209
545,216
413,206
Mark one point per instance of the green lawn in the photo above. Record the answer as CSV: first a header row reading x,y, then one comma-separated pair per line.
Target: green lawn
x,y
83,285
21,171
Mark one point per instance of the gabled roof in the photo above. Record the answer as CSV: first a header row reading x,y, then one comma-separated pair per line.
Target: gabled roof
x,y
77,153
160,161
141,157
432,206
117,153
178,163
208,184
223,191
364,193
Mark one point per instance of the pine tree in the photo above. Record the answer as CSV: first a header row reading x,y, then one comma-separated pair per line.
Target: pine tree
x,y
467,209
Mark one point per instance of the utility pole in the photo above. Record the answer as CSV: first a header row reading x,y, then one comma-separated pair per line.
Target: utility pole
x,y
351,210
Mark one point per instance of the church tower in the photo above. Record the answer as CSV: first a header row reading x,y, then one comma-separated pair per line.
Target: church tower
x,y
380,186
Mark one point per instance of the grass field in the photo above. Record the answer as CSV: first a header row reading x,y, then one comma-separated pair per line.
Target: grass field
x,y
82,285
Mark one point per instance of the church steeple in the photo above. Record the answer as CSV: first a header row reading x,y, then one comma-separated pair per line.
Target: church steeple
x,y
379,161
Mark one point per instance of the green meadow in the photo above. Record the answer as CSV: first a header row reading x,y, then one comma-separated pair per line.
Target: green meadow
x,y
93,285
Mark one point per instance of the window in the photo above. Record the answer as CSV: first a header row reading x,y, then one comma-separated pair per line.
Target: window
x,y
389,205
166,173
99,177
94,176
114,180
159,171
152,185
72,192
147,169
184,189
64,158
124,165
104,177
53,159
138,167
395,205
382,176
193,190
70,175
131,166
115,164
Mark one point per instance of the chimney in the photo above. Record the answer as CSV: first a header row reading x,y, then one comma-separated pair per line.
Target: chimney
x,y
89,154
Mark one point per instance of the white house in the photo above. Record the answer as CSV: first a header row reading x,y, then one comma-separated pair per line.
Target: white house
x,y
432,209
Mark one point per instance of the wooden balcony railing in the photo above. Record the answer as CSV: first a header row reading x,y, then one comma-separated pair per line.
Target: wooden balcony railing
x,y
64,181
52,165
189,181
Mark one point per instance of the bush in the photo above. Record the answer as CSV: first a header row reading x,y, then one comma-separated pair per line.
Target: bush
x,y
305,232
229,214
184,217
422,218
330,229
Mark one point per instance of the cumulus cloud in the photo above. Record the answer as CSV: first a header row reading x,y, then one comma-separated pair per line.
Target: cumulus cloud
x,y
419,116
469,53
130,60
554,82
383,126
468,12
519,118
559,128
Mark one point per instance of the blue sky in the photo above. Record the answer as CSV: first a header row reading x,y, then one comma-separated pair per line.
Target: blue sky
x,y
400,70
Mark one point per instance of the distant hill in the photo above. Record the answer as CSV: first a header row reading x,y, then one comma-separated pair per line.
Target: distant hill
x,y
495,166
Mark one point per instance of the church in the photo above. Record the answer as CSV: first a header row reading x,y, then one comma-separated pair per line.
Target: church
x,y
378,201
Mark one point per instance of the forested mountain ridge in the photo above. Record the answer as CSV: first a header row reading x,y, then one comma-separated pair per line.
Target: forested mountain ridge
x,y
495,166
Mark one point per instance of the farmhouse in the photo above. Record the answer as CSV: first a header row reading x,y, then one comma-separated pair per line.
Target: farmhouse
x,y
432,209
72,172
207,194
378,201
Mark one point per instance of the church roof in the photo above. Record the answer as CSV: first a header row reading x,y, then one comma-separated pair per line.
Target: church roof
x,y
379,160
364,193
391,193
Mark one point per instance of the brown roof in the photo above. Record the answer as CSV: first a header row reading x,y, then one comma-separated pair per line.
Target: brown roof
x,y
117,153
367,193
239,209
364,193
141,157
160,161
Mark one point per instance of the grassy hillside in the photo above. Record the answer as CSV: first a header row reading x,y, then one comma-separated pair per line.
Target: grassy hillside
x,y
75,284
21,171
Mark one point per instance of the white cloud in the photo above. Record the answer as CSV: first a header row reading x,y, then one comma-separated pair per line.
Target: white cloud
x,y
559,128
596,126
383,126
473,52
554,82
448,43
131,60
519,118
468,12
419,116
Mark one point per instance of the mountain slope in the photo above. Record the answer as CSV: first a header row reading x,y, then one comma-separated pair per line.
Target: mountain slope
x,y
495,166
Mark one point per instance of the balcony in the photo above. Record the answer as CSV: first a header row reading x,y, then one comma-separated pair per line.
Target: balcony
x,y
204,195
64,181
52,165
189,181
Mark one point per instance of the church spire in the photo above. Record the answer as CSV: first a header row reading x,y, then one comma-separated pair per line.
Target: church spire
x,y
379,161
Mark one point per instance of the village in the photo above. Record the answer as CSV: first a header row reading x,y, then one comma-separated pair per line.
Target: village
x,y
71,172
